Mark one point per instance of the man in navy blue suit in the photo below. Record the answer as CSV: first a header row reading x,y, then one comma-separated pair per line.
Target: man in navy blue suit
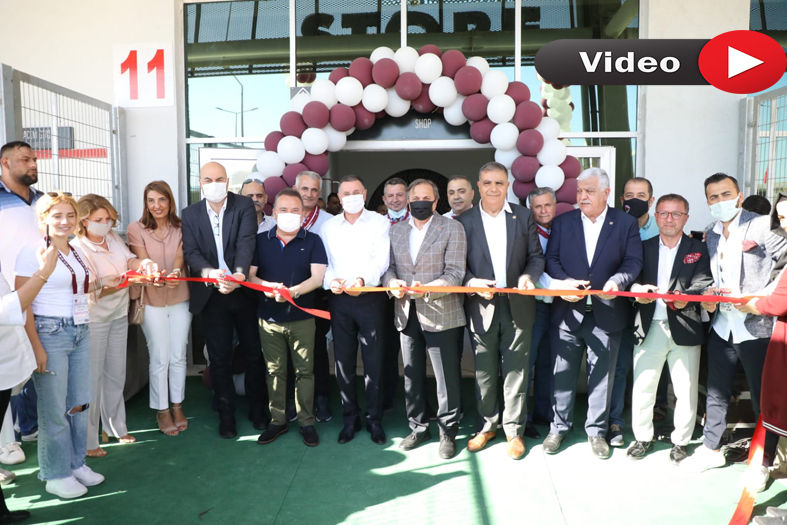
x,y
597,247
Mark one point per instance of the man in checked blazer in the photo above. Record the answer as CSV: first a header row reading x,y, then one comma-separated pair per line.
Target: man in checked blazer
x,y
428,249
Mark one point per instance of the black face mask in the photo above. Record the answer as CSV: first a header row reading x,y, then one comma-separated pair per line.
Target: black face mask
x,y
635,207
421,210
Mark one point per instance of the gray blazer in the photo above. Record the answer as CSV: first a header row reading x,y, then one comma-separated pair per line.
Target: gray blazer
x,y
756,264
440,262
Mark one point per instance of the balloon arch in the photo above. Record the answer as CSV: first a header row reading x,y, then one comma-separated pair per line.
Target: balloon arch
x,y
523,133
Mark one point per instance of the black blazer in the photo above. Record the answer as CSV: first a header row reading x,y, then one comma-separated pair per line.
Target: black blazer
x,y
239,231
523,257
618,258
686,277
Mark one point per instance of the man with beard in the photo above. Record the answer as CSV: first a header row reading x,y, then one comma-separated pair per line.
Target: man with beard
x,y
255,190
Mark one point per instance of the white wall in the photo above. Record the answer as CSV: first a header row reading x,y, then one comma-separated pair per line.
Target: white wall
x,y
689,132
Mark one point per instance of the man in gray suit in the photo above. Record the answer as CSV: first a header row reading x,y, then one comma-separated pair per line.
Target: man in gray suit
x,y
742,250
503,250
428,249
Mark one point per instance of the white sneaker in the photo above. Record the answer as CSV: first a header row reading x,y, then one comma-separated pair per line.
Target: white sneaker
x,y
11,454
755,480
767,520
6,476
776,512
31,437
87,477
66,488
702,460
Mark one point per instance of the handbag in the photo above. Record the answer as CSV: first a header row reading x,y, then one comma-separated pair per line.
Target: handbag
x,y
136,309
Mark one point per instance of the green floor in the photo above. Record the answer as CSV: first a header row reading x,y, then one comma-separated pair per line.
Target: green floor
x,y
199,478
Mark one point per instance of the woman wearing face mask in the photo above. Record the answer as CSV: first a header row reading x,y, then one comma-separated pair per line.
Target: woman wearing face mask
x,y
59,333
107,254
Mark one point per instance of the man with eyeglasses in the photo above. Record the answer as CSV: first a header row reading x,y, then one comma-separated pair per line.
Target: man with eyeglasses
x,y
255,190
668,331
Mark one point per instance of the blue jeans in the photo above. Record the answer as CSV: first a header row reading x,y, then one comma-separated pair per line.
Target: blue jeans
x,y
543,363
24,409
62,437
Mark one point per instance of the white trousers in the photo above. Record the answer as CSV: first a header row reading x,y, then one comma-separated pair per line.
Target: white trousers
x,y
684,367
7,434
108,344
167,332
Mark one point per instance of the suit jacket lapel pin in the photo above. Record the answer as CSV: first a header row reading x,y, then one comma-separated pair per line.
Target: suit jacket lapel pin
x,y
610,223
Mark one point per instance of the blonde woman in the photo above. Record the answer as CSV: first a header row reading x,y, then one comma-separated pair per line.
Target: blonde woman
x,y
157,235
107,254
59,333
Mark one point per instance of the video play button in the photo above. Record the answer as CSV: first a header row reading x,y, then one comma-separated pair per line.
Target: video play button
x,y
742,62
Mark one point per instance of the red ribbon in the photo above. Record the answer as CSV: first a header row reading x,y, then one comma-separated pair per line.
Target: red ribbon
x,y
745,506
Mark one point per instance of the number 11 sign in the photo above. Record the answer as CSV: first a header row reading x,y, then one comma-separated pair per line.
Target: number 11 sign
x,y
143,75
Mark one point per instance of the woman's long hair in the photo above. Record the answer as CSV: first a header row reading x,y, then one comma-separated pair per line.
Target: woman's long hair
x,y
147,220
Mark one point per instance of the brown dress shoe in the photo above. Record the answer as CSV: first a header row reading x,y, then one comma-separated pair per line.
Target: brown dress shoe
x,y
516,447
480,440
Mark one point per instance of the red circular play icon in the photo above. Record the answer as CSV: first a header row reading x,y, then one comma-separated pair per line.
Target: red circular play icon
x,y
742,62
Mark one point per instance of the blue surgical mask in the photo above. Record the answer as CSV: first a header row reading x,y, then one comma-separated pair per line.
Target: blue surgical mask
x,y
724,211
397,214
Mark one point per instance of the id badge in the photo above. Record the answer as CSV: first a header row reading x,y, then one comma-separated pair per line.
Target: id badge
x,y
726,307
81,309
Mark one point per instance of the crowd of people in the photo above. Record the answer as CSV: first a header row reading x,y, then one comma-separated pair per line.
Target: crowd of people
x,y
66,263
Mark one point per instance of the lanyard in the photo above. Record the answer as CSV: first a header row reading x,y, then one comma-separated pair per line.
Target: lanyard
x,y
73,274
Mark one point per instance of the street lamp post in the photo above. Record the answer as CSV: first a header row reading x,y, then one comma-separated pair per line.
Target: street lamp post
x,y
236,113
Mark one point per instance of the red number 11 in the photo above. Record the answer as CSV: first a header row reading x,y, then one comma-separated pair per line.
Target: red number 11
x,y
156,64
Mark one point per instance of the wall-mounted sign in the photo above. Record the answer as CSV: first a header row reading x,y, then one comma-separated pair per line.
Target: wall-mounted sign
x,y
413,126
143,75
40,138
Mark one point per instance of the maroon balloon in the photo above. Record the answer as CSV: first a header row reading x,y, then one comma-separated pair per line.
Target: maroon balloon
x,y
316,114
567,191
338,74
363,117
563,207
474,106
523,189
544,103
423,104
292,124
571,167
525,168
272,140
268,209
316,163
518,91
571,105
291,171
430,48
559,86
544,112
530,142
409,86
481,130
527,115
453,60
306,78
273,185
342,117
385,72
468,80
361,68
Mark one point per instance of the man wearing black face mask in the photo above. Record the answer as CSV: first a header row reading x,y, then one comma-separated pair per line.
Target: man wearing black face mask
x,y
428,249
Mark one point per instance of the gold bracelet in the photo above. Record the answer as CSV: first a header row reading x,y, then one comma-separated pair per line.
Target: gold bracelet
x,y
40,277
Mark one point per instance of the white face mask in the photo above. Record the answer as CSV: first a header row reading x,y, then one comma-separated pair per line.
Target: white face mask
x,y
288,222
725,210
215,191
352,203
98,229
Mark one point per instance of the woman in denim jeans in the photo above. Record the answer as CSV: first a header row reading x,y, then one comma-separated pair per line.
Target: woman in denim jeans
x,y
60,336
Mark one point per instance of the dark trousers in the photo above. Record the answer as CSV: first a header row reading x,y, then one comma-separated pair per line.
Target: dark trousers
x,y
322,363
355,319
602,353
25,409
221,314
443,354
5,398
391,357
723,357
542,363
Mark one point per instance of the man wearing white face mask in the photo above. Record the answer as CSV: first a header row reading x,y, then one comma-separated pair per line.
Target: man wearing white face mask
x,y
218,242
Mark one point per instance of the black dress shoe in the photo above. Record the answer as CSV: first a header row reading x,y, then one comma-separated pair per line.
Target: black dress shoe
x,y
14,516
348,432
227,428
415,439
271,433
599,446
552,443
259,419
541,421
531,431
310,437
677,454
322,410
447,448
377,432
639,449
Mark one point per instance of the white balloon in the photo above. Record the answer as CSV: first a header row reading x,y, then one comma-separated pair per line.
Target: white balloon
x,y
269,164
559,105
564,120
315,141
549,128
550,176
336,139
291,150
547,90
323,90
566,126
453,113
501,109
381,52
405,58
504,136
562,94
553,152
479,63
299,101
350,131
557,114
396,106
349,91
428,67
375,98
442,92
507,157
494,83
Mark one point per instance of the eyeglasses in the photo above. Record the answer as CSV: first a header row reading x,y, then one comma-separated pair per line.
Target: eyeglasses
x,y
676,215
216,226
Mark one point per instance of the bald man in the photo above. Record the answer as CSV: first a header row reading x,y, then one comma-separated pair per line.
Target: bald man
x,y
219,238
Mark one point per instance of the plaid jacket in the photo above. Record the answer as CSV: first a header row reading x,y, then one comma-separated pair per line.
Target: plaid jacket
x,y
441,261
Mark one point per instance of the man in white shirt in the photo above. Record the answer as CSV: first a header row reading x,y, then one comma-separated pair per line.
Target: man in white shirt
x,y
255,190
460,196
357,244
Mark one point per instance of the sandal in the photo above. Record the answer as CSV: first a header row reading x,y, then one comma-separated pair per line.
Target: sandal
x,y
180,418
96,453
124,440
165,424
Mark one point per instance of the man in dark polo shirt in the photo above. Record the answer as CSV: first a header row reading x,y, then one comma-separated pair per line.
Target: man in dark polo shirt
x,y
288,257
